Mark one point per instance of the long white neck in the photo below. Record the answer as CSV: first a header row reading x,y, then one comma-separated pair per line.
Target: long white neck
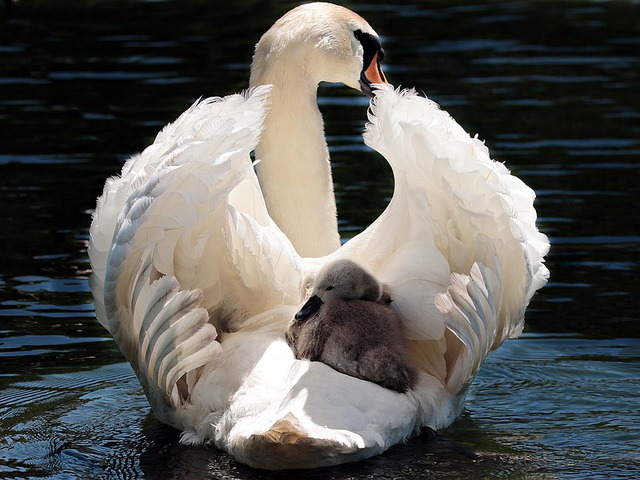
x,y
294,169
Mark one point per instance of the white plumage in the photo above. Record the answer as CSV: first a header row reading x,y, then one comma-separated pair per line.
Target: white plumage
x,y
196,282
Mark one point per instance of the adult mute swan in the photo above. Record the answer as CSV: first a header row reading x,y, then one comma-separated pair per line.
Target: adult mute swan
x,y
198,266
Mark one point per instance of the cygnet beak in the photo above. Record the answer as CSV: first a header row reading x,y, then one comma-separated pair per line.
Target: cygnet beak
x,y
309,308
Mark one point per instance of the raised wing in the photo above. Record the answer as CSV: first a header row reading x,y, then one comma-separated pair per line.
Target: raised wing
x,y
454,211
183,249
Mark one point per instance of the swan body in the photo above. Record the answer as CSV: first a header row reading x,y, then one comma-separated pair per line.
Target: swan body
x,y
196,278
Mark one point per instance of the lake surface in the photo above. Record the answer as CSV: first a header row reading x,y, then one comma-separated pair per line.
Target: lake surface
x,y
552,86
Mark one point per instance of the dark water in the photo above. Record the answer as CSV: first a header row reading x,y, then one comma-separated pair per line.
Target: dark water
x,y
551,85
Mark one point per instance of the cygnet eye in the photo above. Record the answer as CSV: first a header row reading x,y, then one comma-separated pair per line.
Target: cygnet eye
x,y
329,288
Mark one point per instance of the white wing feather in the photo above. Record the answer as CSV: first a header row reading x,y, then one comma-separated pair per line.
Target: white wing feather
x,y
470,306
156,235
453,210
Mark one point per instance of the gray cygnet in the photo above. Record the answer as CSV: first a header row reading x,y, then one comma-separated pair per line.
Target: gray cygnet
x,y
348,324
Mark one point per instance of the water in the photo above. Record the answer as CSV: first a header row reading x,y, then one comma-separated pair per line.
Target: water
x,y
551,86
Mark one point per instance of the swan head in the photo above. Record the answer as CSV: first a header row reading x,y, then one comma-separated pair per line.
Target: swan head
x,y
340,280
319,42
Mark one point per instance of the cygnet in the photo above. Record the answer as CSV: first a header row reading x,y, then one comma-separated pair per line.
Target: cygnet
x,y
348,324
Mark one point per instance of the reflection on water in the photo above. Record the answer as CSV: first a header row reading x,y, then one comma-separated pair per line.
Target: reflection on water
x,y
550,85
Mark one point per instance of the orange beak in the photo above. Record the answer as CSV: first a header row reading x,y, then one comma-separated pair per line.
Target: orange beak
x,y
372,75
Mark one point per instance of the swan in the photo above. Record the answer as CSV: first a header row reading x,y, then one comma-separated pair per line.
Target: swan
x,y
199,263
347,324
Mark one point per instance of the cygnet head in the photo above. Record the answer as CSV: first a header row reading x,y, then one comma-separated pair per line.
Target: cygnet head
x,y
321,42
340,280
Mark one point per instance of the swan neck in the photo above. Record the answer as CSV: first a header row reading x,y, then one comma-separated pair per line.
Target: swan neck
x,y
294,168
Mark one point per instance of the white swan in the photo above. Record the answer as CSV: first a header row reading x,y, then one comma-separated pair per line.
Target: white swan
x,y
197,283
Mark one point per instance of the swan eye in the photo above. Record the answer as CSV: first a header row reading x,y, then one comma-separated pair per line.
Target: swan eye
x,y
371,46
